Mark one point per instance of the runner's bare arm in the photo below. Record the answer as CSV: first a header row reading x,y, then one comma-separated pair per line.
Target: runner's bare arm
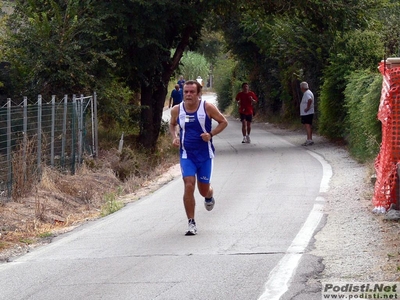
x,y
172,126
214,113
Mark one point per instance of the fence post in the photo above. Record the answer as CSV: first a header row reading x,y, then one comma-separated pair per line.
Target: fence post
x,y
80,129
25,136
9,172
73,134
39,136
53,124
64,131
96,137
92,117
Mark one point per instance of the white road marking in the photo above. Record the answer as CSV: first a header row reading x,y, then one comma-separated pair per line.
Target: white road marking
x,y
279,278
327,172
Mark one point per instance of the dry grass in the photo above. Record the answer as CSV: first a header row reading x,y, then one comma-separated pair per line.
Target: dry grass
x,y
25,173
60,200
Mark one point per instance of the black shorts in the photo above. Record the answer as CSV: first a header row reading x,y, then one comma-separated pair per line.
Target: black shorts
x,y
307,119
248,118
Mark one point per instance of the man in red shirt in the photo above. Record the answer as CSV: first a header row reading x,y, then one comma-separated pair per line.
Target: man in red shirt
x,y
246,99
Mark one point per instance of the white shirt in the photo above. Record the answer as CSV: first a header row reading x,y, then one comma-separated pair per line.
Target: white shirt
x,y
303,105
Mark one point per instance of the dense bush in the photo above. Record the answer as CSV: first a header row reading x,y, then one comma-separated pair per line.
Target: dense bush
x,y
118,106
223,77
331,110
353,51
363,130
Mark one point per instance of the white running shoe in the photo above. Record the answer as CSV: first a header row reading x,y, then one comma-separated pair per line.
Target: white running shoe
x,y
244,140
209,204
308,143
248,139
192,230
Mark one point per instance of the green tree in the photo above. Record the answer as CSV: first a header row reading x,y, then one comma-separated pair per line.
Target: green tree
x,y
194,64
211,44
387,24
74,46
145,32
58,47
53,47
284,42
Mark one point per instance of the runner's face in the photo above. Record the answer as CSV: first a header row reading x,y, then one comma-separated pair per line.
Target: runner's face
x,y
246,88
190,93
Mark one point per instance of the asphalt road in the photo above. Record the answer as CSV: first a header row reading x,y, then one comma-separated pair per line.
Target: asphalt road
x,y
251,246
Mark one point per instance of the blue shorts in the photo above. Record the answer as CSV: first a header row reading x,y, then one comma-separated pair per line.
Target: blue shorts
x,y
203,170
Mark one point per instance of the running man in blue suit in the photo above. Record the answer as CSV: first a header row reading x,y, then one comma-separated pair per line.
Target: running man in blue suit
x,y
194,117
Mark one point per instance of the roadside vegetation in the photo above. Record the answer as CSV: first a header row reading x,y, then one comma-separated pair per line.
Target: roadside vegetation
x,y
276,46
60,201
79,47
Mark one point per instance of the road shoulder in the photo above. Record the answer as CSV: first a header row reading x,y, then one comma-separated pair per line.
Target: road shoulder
x,y
354,244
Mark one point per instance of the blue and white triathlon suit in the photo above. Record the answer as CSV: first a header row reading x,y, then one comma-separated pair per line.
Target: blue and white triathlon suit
x,y
196,155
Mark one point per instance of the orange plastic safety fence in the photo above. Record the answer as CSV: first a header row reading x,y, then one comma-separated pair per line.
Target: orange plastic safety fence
x,y
389,155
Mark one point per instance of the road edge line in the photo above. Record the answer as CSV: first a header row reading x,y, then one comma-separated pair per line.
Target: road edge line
x,y
278,279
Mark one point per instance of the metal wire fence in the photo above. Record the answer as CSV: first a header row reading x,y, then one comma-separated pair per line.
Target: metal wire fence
x,y
56,133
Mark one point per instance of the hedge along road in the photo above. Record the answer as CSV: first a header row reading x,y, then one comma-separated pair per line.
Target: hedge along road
x,y
268,205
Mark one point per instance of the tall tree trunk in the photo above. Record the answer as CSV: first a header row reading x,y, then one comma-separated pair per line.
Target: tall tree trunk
x,y
152,104
153,96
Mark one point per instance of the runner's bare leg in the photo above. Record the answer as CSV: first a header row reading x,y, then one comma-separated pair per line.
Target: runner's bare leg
x,y
188,196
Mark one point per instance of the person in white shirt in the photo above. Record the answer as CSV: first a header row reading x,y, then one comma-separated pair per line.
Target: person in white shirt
x,y
307,111
199,80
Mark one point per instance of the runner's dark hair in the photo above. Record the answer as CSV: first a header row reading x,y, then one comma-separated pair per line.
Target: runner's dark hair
x,y
191,82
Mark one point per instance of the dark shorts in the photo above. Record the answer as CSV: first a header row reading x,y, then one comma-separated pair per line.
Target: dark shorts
x,y
307,119
248,118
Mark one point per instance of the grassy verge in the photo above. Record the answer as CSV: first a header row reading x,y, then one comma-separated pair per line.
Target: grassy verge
x,y
111,204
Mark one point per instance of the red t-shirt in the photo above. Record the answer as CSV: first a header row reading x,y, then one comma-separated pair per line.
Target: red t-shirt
x,y
245,103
